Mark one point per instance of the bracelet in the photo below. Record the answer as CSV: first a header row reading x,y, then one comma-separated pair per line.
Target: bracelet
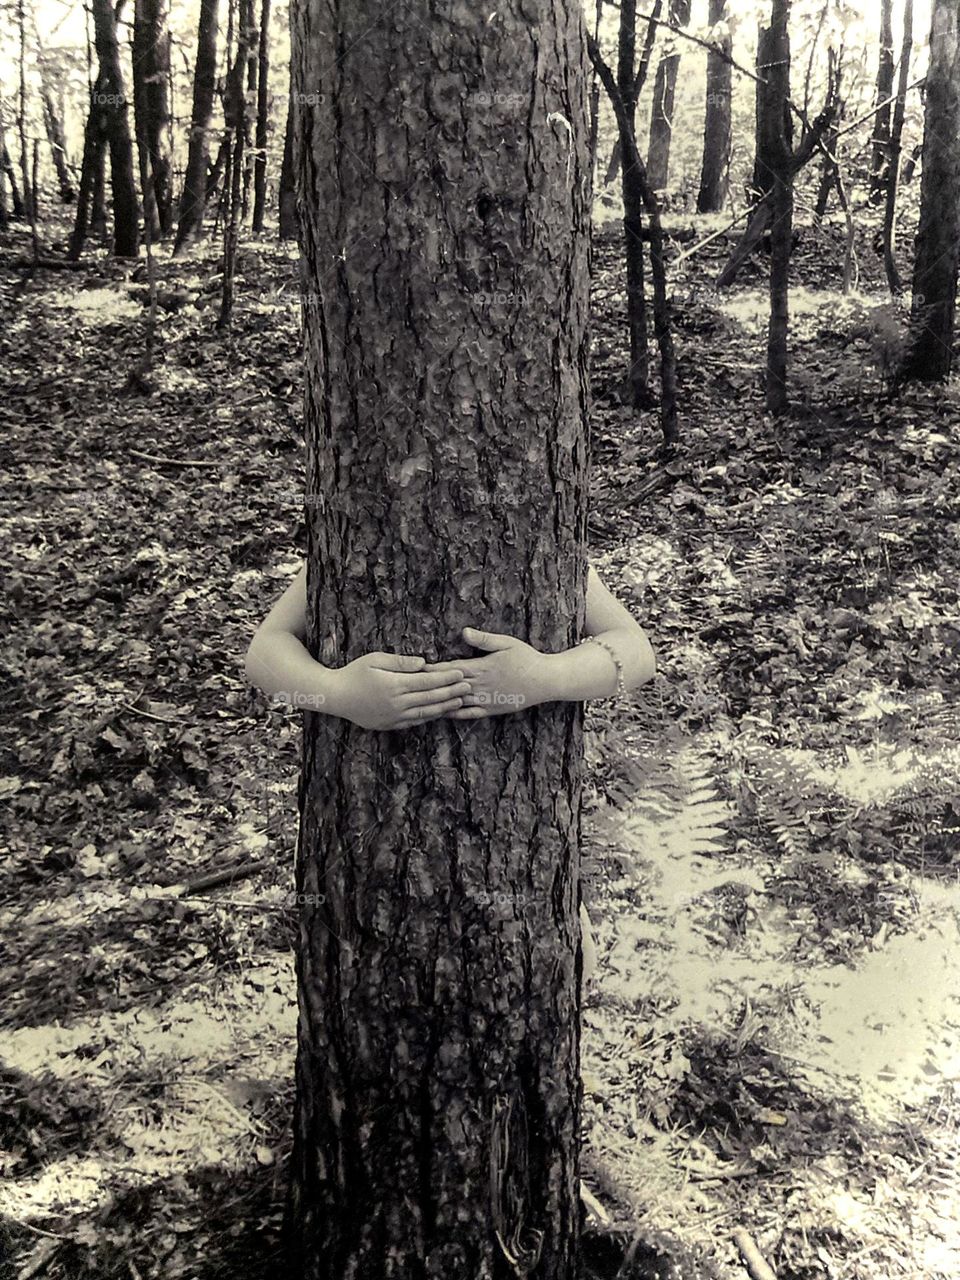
x,y
620,690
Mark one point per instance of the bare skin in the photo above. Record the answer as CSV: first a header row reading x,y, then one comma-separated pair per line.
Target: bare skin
x,y
387,691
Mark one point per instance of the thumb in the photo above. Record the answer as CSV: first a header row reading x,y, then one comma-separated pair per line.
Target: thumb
x,y
400,662
489,640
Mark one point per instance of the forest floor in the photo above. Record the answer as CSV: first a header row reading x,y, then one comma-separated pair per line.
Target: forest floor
x,y
772,836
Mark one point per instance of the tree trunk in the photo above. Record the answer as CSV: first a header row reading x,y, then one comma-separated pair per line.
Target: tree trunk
x,y
250,39
774,121
881,121
778,148
287,193
90,215
53,125
151,105
661,111
263,121
22,112
716,127
829,173
6,165
126,214
438,1096
638,376
893,156
98,204
929,353
193,200
235,111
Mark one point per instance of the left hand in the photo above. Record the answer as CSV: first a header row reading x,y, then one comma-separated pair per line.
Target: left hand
x,y
509,677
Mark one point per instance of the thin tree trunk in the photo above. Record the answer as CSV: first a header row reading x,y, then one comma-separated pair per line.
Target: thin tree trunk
x,y
287,192
774,56
929,352
55,136
235,111
6,165
22,113
438,1099
193,201
664,94
881,121
263,121
828,171
98,209
250,39
91,166
126,214
717,122
893,156
151,102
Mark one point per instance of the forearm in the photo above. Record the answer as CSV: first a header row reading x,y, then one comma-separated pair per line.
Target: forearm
x,y
588,671
279,665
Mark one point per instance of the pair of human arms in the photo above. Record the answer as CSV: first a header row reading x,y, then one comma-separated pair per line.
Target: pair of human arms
x,y
394,691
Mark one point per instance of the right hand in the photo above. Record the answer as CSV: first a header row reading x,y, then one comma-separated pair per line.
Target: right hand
x,y
394,691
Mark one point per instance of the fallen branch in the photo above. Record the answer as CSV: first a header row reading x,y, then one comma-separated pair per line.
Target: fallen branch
x,y
752,1257
173,462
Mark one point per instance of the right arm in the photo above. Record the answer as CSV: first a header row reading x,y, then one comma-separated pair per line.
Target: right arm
x,y
375,691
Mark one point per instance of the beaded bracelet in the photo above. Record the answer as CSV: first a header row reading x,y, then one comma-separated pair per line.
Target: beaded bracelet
x,y
619,691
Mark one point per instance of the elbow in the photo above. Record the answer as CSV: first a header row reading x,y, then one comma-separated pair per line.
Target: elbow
x,y
251,665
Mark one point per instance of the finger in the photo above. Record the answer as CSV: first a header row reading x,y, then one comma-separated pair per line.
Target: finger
x,y
430,697
431,680
489,640
468,713
463,665
417,715
397,662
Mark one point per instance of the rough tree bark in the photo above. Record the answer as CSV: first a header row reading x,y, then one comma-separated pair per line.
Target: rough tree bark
x,y
113,100
263,120
664,94
193,200
929,350
716,126
445,286
151,110
894,146
287,195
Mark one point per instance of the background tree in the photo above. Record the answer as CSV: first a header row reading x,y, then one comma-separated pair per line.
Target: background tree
x,y
664,93
113,100
286,193
53,124
716,126
929,352
7,171
438,1100
881,121
151,109
193,200
263,120
235,102
894,147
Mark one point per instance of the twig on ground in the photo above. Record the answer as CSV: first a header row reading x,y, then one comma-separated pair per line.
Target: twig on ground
x,y
752,1257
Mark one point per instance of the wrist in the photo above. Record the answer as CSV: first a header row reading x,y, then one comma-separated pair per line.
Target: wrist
x,y
552,678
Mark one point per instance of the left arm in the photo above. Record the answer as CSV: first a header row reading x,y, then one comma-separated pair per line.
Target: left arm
x,y
512,675
588,671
